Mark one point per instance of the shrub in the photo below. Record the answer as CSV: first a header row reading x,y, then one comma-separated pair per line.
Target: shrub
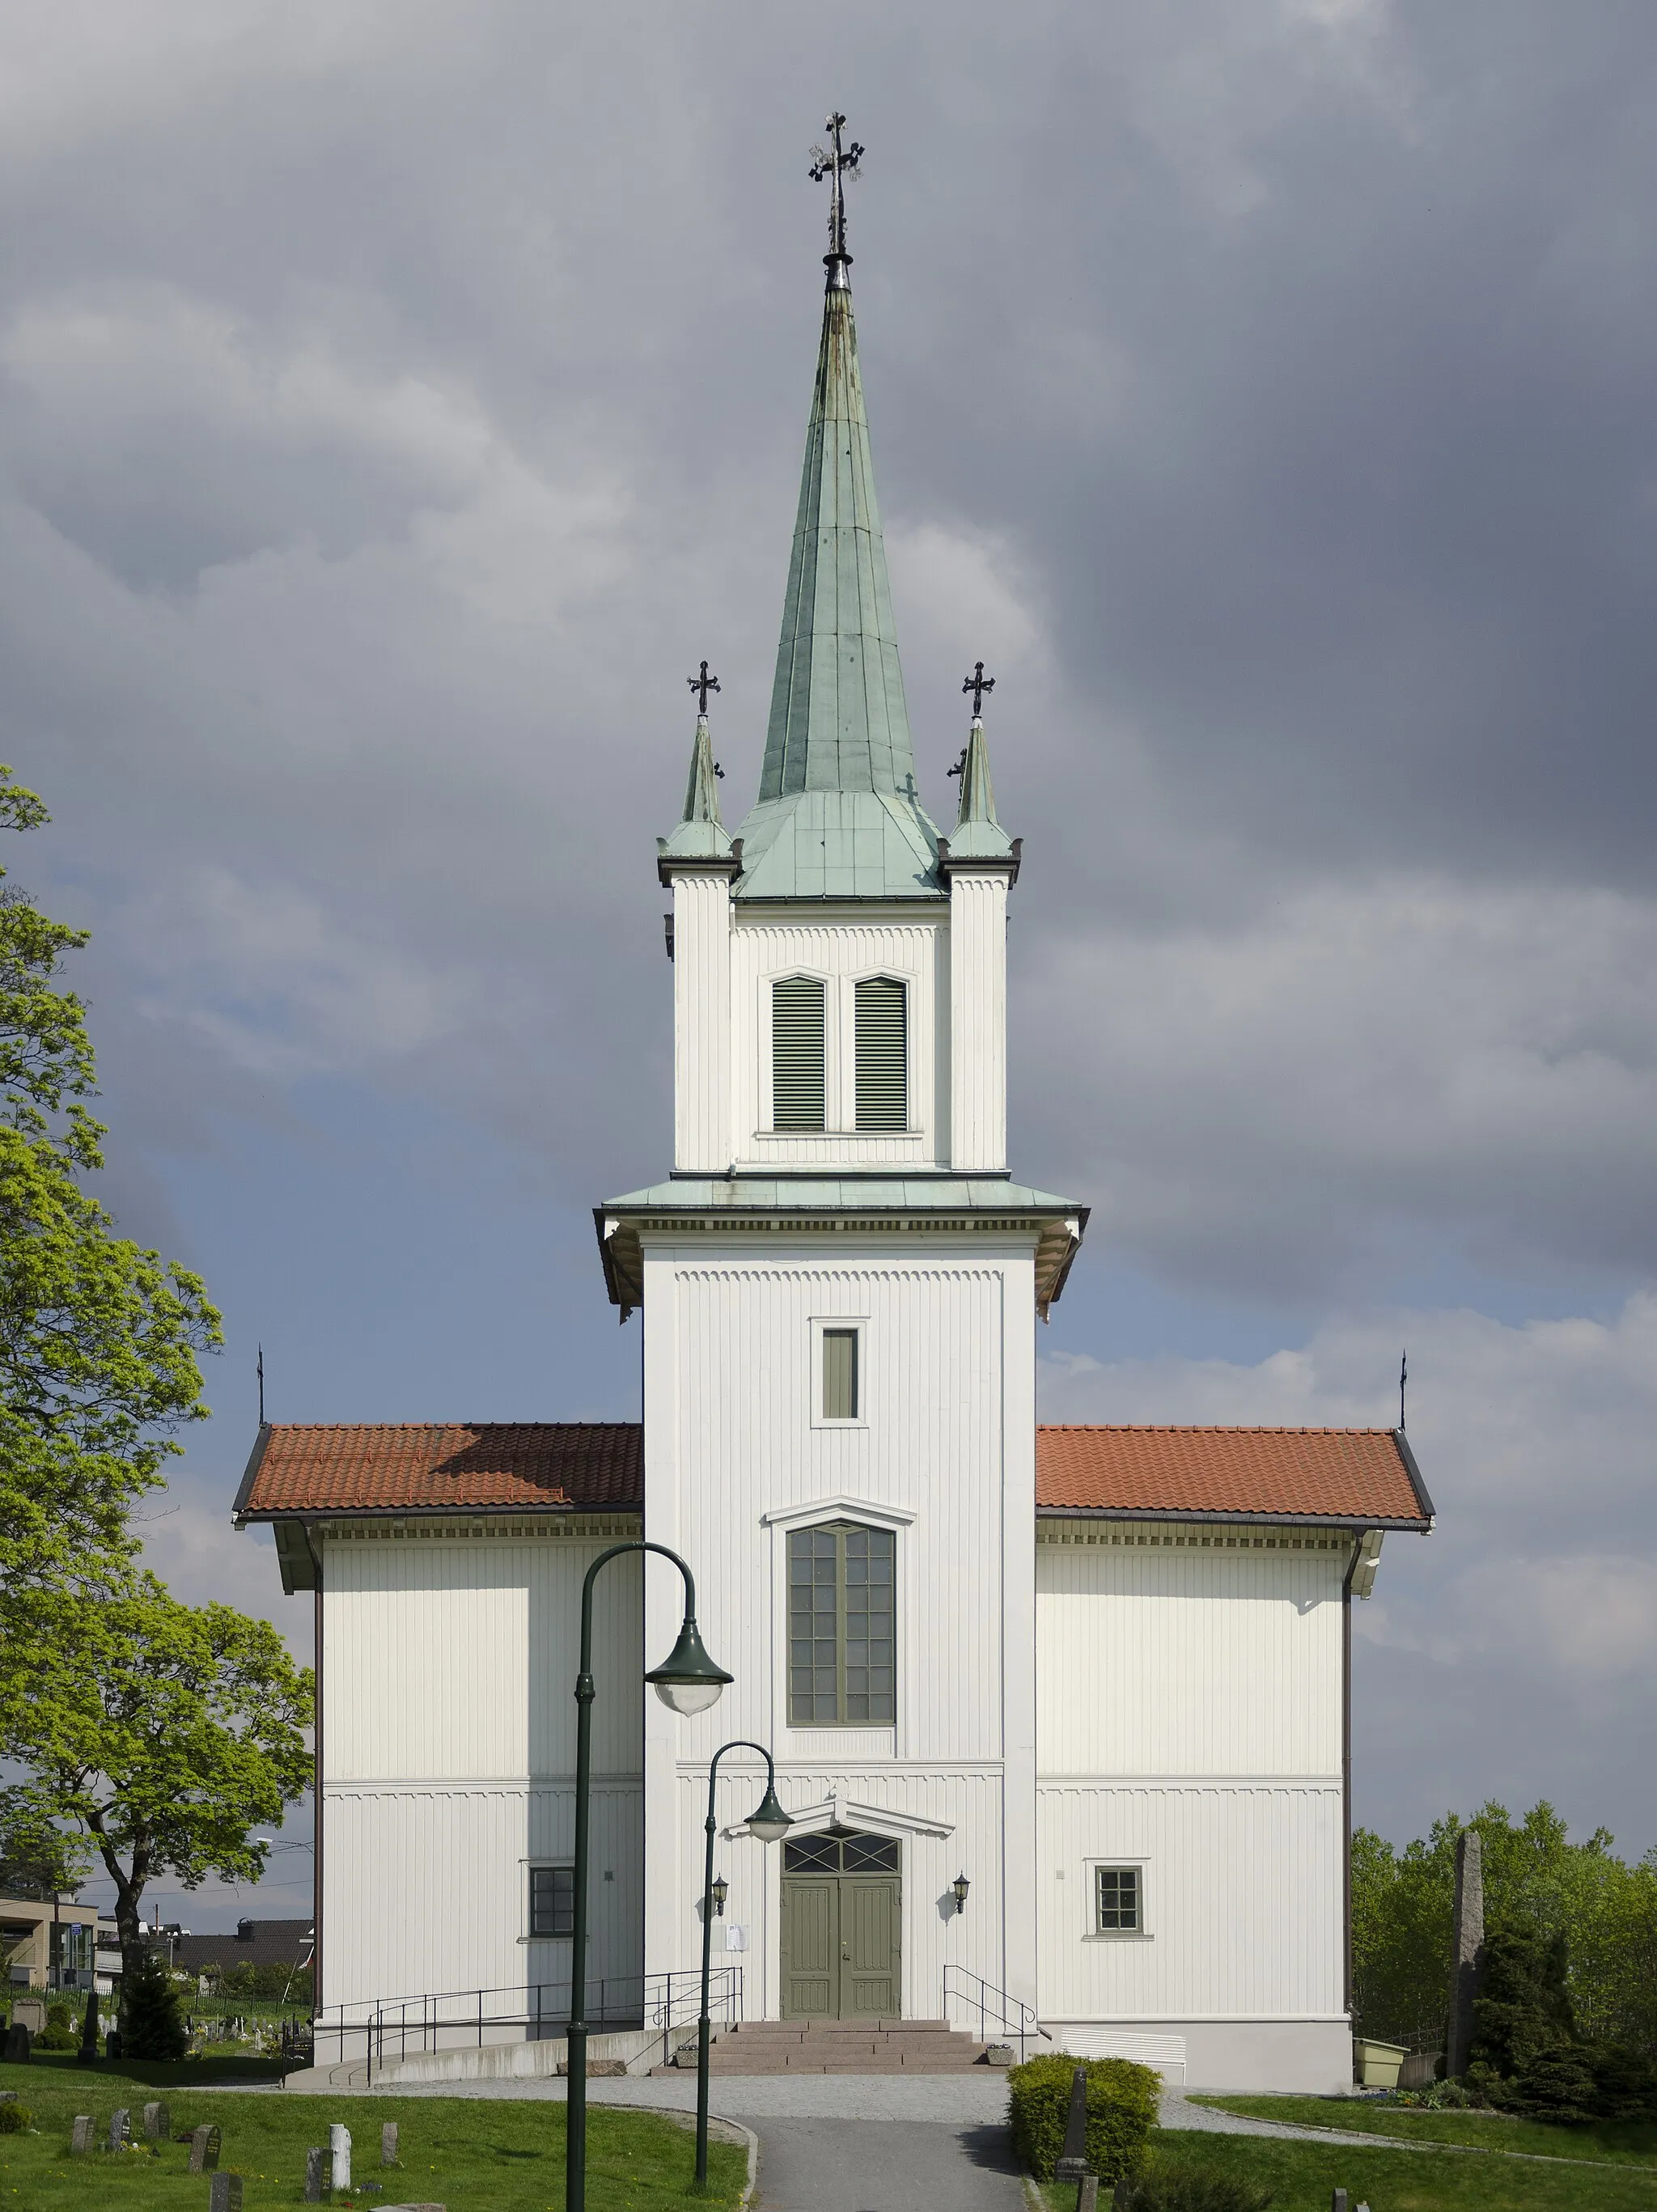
x,y
1122,2099
1554,2083
57,2034
1624,2082
57,2015
1176,2189
151,2025
15,2119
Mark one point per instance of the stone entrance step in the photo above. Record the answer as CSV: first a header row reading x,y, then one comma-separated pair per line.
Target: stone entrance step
x,y
838,2046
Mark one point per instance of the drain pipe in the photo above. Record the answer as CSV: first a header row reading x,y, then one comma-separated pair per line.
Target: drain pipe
x,y
1352,1566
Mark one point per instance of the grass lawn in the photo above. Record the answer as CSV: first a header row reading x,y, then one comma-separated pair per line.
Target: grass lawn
x,y
1633,2144
472,2154
1303,2174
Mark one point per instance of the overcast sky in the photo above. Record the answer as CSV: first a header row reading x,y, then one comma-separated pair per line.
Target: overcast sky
x,y
399,399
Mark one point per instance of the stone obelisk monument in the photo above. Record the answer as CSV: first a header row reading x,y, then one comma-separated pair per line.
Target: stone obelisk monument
x,y
1466,1949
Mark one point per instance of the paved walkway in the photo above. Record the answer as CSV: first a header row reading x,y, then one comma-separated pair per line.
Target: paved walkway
x,y
883,2166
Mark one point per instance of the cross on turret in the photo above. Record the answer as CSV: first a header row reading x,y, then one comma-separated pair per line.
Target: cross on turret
x,y
702,685
978,683
839,164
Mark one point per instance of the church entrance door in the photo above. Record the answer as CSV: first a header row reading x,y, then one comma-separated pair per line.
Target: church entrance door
x,y
842,1928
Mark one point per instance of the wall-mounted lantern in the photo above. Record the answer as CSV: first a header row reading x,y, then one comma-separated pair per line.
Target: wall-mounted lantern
x,y
961,1886
719,1890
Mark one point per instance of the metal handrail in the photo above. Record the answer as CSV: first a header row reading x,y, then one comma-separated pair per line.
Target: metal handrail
x,y
396,2027
1010,2013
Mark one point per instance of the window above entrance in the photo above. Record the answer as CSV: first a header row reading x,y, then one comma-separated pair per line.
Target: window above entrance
x,y
842,1625
842,1854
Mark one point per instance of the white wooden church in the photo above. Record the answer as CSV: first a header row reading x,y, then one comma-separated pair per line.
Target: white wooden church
x,y
1062,1716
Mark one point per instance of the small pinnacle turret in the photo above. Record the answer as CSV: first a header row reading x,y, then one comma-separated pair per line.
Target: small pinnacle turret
x,y
978,835
700,834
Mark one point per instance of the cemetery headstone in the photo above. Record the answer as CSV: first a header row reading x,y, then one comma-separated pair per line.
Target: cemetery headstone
x,y
89,2030
388,2144
18,2039
81,2135
112,2044
224,2194
1073,2159
314,2163
203,2150
120,2127
1467,1954
30,2012
339,2146
158,2123
1086,2193
1338,2200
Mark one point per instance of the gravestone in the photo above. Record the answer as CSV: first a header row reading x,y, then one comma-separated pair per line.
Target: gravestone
x,y
1467,1952
158,2124
1338,2200
18,2040
314,2163
81,2135
203,2150
225,2193
112,2044
388,2144
29,2013
1086,2193
89,2030
1073,2159
121,2127
339,2146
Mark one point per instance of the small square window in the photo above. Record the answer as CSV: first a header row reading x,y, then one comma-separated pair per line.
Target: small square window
x,y
1116,1900
552,1900
840,1374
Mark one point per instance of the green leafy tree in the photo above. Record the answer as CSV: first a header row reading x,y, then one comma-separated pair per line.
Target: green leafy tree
x,y
99,1338
163,1734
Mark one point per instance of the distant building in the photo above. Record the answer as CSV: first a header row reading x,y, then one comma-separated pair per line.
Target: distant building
x,y
49,1944
286,1944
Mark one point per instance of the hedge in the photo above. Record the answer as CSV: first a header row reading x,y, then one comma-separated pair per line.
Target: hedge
x,y
1122,2101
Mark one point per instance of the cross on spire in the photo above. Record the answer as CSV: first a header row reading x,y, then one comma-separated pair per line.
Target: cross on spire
x,y
702,685
978,683
839,163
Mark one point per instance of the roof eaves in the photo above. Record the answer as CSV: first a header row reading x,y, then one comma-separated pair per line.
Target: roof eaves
x,y
1357,1522
1414,1473
238,1513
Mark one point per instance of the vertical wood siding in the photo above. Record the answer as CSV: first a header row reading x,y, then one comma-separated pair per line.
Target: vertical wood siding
x,y
701,1024
977,1023
946,1344
449,1727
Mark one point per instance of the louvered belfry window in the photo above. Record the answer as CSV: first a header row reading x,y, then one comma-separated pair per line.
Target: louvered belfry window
x,y
881,1055
796,1090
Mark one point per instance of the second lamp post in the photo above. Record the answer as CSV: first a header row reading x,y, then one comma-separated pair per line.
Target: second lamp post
x,y
768,1821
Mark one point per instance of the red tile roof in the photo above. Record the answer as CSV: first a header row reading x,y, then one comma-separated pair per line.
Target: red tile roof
x,y
421,1467
1344,1474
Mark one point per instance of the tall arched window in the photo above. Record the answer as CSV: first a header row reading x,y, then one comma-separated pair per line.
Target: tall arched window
x,y
842,1625
796,1086
883,1054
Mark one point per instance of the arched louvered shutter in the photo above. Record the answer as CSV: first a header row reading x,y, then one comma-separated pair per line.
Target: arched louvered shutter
x,y
881,1055
797,1053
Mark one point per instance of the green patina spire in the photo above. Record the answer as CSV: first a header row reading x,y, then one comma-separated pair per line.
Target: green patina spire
x,y
700,834
838,816
978,835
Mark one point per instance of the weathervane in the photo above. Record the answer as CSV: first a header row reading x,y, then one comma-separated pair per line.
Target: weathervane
x,y
839,165
978,683
702,685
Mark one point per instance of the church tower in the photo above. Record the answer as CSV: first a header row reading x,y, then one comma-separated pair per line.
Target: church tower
x,y
839,1283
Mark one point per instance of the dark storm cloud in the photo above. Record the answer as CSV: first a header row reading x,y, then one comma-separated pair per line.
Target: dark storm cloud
x,y
396,401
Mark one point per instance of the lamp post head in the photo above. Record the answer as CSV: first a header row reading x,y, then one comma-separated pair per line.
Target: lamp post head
x,y
961,1886
688,1681
767,1820
721,1891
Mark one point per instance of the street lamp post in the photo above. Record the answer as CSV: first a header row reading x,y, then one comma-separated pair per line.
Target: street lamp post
x,y
689,1682
768,1821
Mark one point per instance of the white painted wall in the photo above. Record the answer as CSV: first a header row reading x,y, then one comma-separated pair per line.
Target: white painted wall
x,y
449,1656
701,1023
946,1452
978,1021
1189,1721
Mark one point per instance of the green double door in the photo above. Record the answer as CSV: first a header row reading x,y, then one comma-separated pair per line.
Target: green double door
x,y
842,1928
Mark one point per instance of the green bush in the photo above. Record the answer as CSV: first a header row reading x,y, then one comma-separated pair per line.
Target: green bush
x,y
15,2119
56,2035
1624,2082
1175,2189
151,2024
1122,2099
